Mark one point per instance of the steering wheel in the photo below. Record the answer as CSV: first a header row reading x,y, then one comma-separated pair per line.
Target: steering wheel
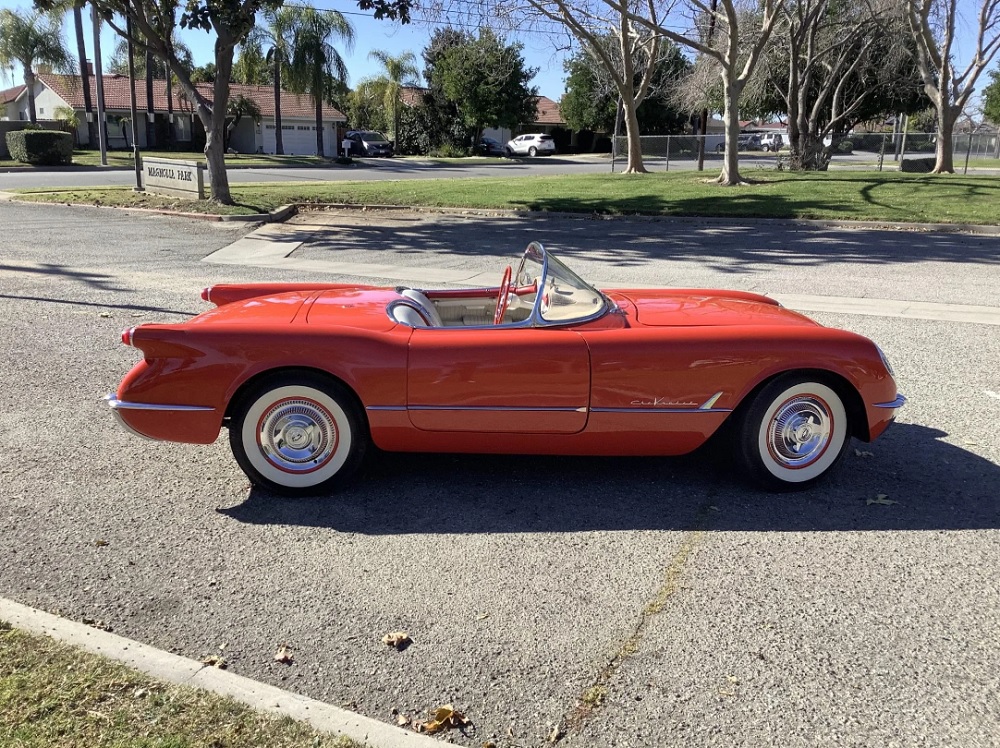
x,y
503,298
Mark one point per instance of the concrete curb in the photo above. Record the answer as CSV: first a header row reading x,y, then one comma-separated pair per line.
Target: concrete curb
x,y
182,671
955,228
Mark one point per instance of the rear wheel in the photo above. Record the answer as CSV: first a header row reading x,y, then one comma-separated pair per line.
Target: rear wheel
x,y
532,151
298,435
794,432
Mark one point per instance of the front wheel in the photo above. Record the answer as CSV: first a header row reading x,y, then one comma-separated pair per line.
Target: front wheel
x,y
532,151
794,432
298,435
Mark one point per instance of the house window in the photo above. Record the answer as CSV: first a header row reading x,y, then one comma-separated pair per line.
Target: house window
x,y
182,127
41,110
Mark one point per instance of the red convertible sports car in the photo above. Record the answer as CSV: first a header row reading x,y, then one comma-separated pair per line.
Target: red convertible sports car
x,y
307,375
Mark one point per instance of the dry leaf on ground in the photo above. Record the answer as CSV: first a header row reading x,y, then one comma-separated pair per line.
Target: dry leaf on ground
x,y
397,639
214,661
446,718
284,654
881,499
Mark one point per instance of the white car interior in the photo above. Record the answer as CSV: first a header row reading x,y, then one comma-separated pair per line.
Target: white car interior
x,y
542,292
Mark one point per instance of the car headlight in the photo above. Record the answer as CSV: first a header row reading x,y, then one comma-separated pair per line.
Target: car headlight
x,y
885,361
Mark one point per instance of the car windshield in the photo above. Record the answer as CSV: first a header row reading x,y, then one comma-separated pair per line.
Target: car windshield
x,y
372,136
562,296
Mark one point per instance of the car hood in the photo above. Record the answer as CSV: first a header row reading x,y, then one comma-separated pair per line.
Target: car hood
x,y
703,307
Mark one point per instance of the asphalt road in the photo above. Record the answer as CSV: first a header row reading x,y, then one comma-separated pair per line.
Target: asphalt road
x,y
686,609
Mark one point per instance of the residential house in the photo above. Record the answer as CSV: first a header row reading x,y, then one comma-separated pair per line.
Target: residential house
x,y
298,114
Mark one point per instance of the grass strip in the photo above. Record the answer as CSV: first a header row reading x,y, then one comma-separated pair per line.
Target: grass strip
x,y
863,196
55,695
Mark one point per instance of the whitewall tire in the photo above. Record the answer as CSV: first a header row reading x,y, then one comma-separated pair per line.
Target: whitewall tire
x,y
298,435
793,433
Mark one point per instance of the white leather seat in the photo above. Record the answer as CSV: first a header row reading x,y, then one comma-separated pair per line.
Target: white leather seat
x,y
406,314
426,306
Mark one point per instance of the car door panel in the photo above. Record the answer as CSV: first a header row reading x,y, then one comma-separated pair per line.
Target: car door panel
x,y
498,380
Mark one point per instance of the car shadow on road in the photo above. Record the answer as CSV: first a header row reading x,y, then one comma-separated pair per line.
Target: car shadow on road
x,y
729,246
911,479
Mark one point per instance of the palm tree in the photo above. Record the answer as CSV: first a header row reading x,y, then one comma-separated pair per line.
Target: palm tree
x,y
29,39
277,35
316,66
397,72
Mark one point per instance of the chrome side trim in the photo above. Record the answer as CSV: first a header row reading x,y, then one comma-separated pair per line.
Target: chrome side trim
x,y
115,404
710,403
662,410
899,402
386,407
498,409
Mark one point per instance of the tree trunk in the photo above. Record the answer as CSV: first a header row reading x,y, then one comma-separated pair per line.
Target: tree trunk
x,y
812,155
170,108
214,121
81,52
150,124
319,124
731,116
635,165
29,84
279,146
945,157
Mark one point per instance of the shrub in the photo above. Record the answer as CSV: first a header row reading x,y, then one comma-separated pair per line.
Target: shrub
x,y
42,147
447,150
845,146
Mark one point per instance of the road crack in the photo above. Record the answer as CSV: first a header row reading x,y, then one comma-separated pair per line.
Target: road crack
x,y
593,698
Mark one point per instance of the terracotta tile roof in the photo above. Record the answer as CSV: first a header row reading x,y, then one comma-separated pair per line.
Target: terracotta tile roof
x,y
413,95
116,96
9,94
548,112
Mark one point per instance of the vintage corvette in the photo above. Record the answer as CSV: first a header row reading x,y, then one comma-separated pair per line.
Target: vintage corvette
x,y
306,376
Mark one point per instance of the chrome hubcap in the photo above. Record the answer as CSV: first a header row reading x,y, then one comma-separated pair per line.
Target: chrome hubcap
x,y
799,432
297,435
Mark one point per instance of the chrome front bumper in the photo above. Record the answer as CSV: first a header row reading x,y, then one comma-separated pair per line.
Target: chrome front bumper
x,y
899,402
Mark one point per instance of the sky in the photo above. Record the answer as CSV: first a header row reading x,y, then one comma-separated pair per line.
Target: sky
x,y
539,50
546,52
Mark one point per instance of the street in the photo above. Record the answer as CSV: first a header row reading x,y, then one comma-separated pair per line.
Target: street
x,y
610,602
373,169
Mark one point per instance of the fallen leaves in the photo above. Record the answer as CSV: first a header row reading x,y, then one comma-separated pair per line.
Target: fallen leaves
x,y
863,453
284,655
881,500
214,661
397,639
445,718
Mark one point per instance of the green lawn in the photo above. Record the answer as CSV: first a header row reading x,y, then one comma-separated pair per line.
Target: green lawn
x,y
55,695
885,196
123,159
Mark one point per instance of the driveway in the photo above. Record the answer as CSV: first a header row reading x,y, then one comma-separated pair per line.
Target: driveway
x,y
612,602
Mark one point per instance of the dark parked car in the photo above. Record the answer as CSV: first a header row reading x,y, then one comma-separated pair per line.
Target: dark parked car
x,y
369,143
489,147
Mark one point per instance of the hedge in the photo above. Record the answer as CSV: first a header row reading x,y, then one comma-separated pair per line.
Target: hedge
x,y
42,147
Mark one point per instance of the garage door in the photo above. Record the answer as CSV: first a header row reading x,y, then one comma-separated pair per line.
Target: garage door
x,y
298,139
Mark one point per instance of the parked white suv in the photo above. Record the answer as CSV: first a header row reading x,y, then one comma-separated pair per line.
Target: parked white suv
x,y
531,145
772,141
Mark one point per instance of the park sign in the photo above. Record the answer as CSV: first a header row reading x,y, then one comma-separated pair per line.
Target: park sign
x,y
170,176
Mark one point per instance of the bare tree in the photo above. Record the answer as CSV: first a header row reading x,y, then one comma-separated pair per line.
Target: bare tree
x,y
629,62
833,63
935,25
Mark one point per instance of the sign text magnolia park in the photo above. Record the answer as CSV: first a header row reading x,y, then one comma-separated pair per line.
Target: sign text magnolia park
x,y
172,177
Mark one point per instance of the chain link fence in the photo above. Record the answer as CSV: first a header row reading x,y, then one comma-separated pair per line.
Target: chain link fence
x,y
882,151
